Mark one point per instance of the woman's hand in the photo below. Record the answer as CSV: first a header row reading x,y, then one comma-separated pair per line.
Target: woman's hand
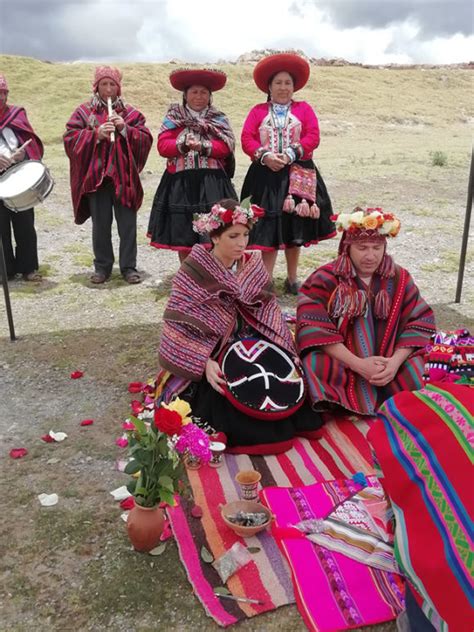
x,y
214,376
105,130
370,367
273,162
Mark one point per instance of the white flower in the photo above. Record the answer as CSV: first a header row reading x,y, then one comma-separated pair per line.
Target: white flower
x,y
356,218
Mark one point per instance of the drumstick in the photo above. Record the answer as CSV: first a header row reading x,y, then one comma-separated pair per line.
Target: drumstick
x,y
109,107
18,149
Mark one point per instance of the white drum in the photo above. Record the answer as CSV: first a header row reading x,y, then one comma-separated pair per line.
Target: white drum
x,y
25,184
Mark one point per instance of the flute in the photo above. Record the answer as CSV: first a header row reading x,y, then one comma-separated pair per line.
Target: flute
x,y
109,108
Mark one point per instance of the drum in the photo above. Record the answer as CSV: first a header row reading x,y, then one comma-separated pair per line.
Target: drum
x,y
25,184
262,379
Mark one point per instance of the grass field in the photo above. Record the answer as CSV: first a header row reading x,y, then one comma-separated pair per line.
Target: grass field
x,y
400,139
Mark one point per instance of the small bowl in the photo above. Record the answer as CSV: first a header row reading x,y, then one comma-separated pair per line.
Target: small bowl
x,y
247,506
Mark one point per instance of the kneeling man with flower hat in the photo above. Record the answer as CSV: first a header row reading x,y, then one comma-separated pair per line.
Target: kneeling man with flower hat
x,y
362,325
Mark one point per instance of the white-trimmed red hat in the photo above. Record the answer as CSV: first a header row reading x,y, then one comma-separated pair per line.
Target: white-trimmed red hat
x,y
183,78
292,63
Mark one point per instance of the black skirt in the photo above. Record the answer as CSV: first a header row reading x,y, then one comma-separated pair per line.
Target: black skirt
x,y
279,229
246,434
178,197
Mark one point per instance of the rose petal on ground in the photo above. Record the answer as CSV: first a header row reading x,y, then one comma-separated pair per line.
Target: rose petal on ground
x,y
122,442
52,461
75,375
158,550
124,516
57,436
137,407
18,453
120,493
135,387
196,511
127,503
48,500
86,422
167,532
121,464
127,425
47,438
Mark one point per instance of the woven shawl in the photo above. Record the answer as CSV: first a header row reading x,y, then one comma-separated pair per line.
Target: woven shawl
x,y
214,124
202,310
15,118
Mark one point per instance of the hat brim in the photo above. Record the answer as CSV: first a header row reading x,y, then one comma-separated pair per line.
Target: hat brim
x,y
213,80
269,66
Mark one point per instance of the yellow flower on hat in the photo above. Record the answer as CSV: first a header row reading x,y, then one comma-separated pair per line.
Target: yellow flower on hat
x,y
395,228
370,222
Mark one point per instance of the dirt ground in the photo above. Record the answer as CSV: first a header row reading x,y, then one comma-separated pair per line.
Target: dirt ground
x,y
70,567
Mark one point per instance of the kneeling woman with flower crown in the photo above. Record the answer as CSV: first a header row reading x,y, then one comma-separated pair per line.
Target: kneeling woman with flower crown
x,y
362,325
226,347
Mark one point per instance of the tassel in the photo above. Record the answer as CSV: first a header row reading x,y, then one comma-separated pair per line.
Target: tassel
x,y
382,305
289,204
347,302
302,209
314,211
343,266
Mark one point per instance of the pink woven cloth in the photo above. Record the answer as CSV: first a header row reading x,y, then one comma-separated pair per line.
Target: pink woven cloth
x,y
333,592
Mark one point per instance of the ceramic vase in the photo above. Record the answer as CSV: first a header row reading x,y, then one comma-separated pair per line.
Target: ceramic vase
x,y
145,526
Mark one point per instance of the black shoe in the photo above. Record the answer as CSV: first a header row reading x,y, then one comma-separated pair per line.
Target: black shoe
x,y
291,288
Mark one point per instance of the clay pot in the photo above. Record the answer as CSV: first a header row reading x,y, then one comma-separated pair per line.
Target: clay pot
x,y
145,526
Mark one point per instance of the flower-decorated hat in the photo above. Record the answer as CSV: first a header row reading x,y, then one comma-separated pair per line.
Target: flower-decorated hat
x,y
107,72
210,78
362,224
220,216
292,63
369,223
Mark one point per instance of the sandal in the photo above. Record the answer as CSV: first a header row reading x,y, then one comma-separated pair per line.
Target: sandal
x,y
98,277
291,288
32,276
133,278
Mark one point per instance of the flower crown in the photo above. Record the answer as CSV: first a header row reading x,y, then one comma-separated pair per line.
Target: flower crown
x,y
369,219
220,216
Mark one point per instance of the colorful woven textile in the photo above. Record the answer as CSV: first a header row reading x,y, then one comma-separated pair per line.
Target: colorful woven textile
x,y
409,324
341,452
333,591
424,445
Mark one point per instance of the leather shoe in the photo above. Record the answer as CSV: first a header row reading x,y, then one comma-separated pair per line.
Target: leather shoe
x,y
98,277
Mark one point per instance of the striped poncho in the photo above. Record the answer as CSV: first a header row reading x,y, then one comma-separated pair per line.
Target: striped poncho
x,y
91,161
15,118
202,311
410,323
423,444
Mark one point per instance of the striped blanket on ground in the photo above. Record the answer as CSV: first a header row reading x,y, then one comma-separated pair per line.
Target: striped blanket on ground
x,y
424,444
342,451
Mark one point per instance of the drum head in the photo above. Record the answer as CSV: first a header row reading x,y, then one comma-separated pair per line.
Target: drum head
x,y
262,379
20,178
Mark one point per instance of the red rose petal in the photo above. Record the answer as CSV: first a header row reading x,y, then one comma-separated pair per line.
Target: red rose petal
x,y
127,425
87,422
75,375
137,407
167,532
18,453
127,503
47,438
196,511
135,387
121,442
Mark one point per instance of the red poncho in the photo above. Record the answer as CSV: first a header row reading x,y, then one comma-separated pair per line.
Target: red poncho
x,y
15,118
91,161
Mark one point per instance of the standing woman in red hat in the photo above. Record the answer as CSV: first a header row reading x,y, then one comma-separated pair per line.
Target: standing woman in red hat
x,y
198,142
280,137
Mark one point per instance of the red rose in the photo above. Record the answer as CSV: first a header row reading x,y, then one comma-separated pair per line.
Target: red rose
x,y
168,421
227,216
257,211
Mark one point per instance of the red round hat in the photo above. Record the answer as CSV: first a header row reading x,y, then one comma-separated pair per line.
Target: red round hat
x,y
292,63
213,80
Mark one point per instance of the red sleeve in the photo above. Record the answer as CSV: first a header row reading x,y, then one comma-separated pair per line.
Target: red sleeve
x,y
250,136
310,130
167,143
219,149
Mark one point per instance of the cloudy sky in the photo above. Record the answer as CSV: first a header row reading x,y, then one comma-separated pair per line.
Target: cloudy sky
x,y
367,31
